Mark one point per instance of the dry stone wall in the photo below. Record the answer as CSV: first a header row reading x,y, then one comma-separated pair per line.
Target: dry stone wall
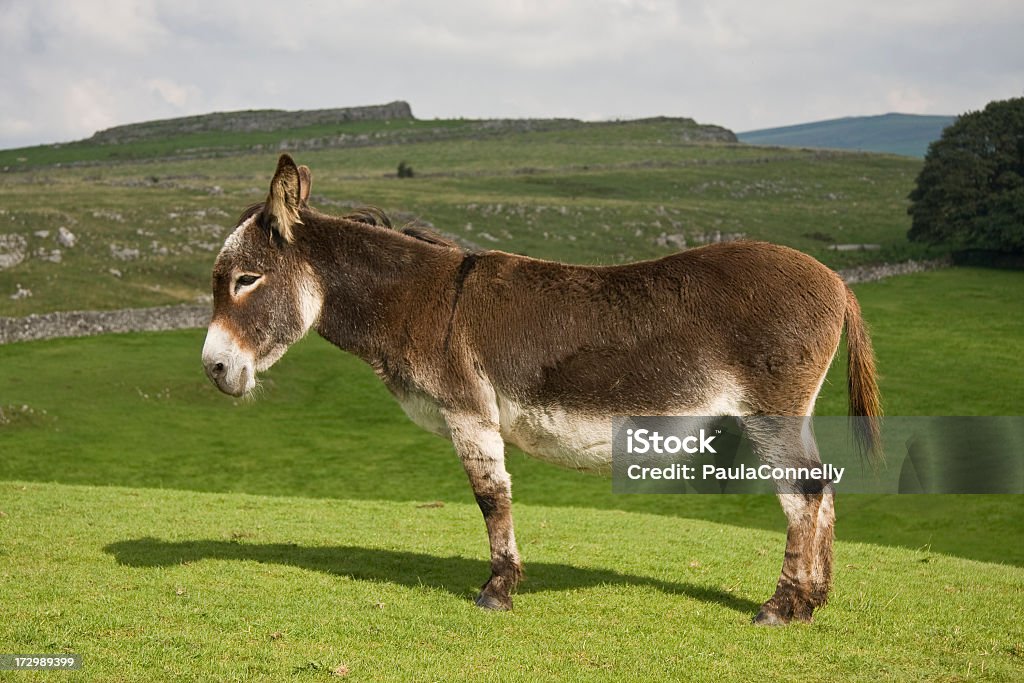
x,y
880,272
87,323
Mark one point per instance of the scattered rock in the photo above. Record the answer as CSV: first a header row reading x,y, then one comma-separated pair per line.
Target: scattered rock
x,y
718,236
125,254
65,237
21,293
51,255
677,241
12,250
42,234
115,272
108,215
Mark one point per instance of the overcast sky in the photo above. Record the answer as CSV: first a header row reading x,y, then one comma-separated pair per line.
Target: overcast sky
x,y
71,67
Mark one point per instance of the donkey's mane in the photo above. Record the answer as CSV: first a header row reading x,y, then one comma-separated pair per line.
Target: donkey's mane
x,y
372,215
375,216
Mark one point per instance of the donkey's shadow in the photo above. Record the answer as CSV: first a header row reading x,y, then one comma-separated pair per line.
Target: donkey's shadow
x,y
452,574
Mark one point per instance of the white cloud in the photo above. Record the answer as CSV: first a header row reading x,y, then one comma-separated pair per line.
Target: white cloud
x,y
14,128
173,93
72,66
127,26
89,105
908,101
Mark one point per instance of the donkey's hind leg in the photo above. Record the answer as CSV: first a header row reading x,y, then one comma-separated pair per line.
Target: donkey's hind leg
x,y
808,503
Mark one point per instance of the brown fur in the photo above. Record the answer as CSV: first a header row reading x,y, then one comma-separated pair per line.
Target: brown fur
x,y
286,198
570,332
865,402
456,332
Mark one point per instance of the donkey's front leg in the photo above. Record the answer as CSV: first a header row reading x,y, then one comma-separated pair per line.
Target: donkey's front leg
x,y
482,450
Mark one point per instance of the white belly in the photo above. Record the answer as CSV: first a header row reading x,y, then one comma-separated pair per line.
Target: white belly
x,y
583,441
569,439
554,435
425,412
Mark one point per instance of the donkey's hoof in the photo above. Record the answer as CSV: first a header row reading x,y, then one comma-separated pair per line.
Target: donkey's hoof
x,y
768,617
494,602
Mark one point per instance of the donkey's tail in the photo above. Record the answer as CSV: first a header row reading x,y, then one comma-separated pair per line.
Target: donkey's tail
x,y
865,403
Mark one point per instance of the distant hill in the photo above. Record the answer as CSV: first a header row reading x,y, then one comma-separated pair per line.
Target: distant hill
x,y
905,134
277,120
258,120
231,133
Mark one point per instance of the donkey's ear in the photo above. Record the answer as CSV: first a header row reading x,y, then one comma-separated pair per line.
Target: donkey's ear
x,y
285,198
305,184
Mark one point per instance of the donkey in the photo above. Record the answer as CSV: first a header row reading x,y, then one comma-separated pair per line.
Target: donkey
x,y
488,348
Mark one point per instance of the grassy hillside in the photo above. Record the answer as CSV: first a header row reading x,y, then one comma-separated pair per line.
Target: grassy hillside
x,y
247,121
170,585
219,135
150,220
906,134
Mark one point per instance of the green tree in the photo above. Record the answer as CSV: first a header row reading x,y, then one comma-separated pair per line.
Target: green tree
x,y
970,191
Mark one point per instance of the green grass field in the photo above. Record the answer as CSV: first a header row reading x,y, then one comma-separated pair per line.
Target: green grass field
x,y
173,585
166,531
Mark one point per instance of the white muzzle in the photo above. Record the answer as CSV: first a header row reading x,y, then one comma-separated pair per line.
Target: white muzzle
x,y
227,366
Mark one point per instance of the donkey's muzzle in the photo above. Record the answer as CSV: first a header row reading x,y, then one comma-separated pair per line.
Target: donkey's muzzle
x,y
234,380
228,367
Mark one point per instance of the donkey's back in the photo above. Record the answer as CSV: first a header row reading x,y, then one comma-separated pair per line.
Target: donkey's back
x,y
731,328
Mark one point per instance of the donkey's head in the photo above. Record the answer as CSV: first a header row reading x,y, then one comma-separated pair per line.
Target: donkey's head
x,y
265,296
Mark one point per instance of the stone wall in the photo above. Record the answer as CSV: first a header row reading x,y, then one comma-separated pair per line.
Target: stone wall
x,y
884,270
86,323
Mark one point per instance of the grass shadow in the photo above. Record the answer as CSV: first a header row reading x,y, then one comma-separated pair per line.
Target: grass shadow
x,y
452,574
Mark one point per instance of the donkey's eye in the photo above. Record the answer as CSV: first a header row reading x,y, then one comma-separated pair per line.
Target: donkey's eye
x,y
245,281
